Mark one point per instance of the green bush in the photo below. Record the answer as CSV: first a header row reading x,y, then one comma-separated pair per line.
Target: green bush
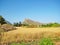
x,y
46,41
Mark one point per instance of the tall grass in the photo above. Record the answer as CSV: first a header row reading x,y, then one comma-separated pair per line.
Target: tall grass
x,y
29,36
43,41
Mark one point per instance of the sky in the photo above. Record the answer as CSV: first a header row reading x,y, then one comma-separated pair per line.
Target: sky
x,y
44,11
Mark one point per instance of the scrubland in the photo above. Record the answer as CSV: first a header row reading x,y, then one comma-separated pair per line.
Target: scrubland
x,y
30,35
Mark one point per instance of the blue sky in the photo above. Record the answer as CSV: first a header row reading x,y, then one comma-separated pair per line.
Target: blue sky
x,y
44,11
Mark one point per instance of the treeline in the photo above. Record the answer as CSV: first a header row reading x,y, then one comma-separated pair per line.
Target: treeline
x,y
51,25
20,24
34,26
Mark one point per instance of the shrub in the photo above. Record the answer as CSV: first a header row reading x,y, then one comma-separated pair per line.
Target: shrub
x,y
46,41
7,27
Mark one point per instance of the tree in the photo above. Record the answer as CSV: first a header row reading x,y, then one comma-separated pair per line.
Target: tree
x,y
2,20
56,25
17,24
20,24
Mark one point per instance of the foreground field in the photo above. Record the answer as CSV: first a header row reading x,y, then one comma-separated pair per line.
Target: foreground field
x,y
31,34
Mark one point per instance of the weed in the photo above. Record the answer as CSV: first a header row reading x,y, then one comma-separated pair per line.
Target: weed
x,y
46,41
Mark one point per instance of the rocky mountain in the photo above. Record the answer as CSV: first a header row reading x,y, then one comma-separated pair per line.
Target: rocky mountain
x,y
29,21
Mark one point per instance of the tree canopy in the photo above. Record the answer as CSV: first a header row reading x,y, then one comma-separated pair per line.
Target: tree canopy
x,y
2,20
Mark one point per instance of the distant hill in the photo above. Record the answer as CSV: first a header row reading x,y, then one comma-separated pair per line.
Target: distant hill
x,y
29,21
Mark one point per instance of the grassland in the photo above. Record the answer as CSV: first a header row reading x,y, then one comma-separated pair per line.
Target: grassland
x,y
31,35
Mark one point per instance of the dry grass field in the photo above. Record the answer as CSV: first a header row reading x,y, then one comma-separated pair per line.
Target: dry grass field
x,y
31,34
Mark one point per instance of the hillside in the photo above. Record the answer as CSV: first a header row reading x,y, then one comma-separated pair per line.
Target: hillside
x,y
29,21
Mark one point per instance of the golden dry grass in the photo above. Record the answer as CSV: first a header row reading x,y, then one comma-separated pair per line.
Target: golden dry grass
x,y
29,34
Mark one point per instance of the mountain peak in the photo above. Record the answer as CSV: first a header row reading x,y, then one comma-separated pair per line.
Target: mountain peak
x,y
29,21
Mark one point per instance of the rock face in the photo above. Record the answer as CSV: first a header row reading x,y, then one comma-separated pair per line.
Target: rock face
x,y
7,27
31,22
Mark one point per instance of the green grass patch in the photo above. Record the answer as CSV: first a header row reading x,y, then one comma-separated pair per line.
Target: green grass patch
x,y
46,41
